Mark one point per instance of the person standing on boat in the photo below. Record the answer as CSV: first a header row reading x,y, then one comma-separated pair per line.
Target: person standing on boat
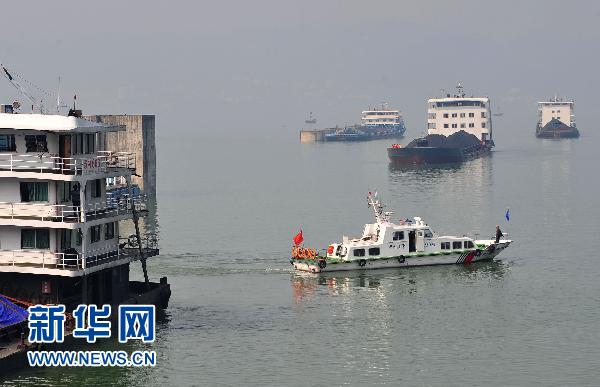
x,y
498,233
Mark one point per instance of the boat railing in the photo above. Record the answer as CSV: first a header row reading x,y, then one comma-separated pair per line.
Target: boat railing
x,y
71,259
40,258
103,161
114,206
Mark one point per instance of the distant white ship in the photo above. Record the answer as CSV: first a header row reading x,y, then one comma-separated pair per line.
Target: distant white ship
x,y
556,119
375,124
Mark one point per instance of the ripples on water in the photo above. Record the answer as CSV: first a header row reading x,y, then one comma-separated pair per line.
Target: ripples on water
x,y
239,315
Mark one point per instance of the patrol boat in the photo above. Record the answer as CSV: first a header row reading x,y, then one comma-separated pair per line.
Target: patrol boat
x,y
385,244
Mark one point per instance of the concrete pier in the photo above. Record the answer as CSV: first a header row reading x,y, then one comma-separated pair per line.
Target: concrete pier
x,y
316,135
139,139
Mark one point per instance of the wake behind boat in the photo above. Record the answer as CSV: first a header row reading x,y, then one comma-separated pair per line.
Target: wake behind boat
x,y
385,244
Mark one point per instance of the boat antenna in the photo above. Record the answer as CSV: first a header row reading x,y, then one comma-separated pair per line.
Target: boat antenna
x,y
12,78
460,90
58,105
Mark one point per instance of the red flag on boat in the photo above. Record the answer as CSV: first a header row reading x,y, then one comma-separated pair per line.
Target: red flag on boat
x,y
298,239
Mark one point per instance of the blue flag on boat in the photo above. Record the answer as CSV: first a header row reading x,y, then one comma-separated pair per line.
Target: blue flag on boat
x,y
507,215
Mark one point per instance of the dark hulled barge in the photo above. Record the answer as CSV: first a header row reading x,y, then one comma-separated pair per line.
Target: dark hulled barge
x,y
556,119
459,128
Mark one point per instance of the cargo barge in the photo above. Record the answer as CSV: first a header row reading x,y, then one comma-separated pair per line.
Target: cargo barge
x,y
459,128
556,119
375,124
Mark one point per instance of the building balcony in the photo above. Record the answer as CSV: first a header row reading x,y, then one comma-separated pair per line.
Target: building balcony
x,y
72,262
114,207
101,163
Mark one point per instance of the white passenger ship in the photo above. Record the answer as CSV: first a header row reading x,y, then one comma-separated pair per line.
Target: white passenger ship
x,y
384,244
60,234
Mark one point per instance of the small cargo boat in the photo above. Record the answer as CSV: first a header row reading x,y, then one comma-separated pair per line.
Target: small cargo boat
x,y
385,244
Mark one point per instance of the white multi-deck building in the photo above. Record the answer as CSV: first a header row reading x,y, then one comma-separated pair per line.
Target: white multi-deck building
x,y
59,235
457,112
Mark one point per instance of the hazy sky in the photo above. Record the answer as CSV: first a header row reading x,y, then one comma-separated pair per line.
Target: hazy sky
x,y
248,65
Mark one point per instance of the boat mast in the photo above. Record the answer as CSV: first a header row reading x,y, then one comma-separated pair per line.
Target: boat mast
x,y
375,204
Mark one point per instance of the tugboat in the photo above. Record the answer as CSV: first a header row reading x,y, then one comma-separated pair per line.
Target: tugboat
x,y
556,119
459,128
385,244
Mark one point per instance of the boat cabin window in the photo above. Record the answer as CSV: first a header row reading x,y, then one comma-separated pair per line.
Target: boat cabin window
x,y
7,143
374,251
445,245
398,236
36,143
457,245
428,233
32,238
34,192
469,245
359,252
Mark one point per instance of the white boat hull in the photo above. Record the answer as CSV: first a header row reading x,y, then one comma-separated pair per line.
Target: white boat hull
x,y
464,257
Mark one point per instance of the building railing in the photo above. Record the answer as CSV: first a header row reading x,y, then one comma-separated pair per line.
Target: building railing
x,y
71,259
103,161
113,206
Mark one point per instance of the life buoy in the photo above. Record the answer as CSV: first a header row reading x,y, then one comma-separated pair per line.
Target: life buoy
x,y
322,264
362,262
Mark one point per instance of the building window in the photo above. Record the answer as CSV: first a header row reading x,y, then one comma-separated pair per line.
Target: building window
x,y
483,124
66,239
431,116
453,115
110,231
454,126
446,126
36,143
462,115
445,245
35,238
462,125
457,245
398,236
482,114
359,252
7,143
34,192
64,191
431,125
445,115
472,115
471,125
374,251
96,188
90,143
95,233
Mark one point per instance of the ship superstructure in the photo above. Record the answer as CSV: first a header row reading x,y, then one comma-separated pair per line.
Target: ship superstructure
x,y
59,234
556,119
453,113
